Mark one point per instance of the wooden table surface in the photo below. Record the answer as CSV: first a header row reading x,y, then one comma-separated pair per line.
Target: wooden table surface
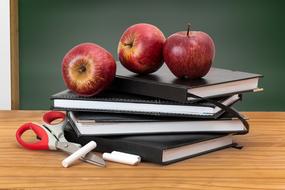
x,y
259,165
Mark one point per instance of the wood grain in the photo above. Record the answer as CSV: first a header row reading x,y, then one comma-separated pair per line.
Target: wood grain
x,y
259,165
14,33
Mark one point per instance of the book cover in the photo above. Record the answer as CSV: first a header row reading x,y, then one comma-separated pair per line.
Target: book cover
x,y
163,84
160,149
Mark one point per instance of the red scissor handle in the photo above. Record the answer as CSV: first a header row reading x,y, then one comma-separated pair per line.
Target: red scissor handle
x,y
39,131
51,116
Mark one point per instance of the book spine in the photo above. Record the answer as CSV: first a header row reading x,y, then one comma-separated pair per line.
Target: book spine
x,y
126,85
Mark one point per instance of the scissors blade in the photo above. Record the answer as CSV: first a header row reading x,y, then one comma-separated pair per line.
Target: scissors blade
x,y
67,147
94,159
90,157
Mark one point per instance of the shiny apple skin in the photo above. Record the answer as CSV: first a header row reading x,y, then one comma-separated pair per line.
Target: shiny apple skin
x,y
140,48
87,69
189,56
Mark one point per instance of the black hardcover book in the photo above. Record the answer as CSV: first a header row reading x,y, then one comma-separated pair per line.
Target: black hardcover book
x,y
105,124
160,149
117,102
163,84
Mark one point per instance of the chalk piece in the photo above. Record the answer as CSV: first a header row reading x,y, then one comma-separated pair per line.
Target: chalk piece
x,y
121,158
78,154
126,154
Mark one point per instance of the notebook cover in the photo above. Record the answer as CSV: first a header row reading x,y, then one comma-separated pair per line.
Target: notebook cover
x,y
135,118
111,96
115,117
164,84
119,117
149,147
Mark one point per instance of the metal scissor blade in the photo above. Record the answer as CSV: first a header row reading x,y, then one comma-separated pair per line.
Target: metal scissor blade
x,y
68,147
94,159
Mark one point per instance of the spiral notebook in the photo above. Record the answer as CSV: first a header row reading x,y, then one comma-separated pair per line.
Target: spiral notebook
x,y
117,102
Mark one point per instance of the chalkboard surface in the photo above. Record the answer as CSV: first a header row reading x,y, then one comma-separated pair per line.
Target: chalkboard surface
x,y
249,36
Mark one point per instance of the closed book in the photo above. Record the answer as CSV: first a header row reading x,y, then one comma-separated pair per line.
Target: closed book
x,y
163,84
160,149
118,102
94,124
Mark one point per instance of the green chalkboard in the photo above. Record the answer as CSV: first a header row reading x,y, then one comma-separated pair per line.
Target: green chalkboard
x,y
249,36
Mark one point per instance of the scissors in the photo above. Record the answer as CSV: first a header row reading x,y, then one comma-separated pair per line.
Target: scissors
x,y
52,137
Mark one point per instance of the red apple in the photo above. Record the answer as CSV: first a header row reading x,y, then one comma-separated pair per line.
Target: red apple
x,y
87,69
140,49
189,54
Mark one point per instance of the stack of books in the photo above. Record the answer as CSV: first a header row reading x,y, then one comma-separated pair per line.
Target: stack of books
x,y
159,117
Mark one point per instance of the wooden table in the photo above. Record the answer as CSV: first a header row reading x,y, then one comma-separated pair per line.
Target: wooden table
x,y
259,165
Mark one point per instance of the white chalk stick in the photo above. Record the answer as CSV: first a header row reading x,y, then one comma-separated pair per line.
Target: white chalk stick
x,y
126,154
120,159
78,154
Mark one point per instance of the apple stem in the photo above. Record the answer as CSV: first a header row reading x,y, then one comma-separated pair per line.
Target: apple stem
x,y
188,29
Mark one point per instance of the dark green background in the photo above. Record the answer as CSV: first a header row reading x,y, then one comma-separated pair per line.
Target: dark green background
x,y
249,36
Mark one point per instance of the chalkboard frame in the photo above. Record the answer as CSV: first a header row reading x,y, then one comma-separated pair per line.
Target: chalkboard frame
x,y
14,41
